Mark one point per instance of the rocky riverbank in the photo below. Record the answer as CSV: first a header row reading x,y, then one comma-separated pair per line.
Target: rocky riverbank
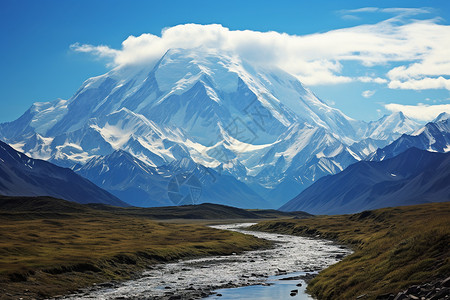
x,y
436,290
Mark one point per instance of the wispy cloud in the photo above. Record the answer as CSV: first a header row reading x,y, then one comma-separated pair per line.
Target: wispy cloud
x,y
422,112
361,10
350,17
368,93
418,48
367,79
398,11
101,51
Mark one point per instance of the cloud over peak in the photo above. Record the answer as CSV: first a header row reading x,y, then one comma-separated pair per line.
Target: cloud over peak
x,y
417,48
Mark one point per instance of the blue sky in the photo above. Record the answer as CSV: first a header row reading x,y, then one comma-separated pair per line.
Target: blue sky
x,y
37,61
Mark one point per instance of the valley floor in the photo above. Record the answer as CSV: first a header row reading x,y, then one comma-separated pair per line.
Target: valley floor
x,y
47,252
395,248
242,274
52,247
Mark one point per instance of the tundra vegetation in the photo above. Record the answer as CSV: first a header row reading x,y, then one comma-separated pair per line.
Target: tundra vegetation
x,y
394,248
50,246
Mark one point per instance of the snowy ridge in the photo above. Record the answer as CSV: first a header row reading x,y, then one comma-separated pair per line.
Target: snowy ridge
x,y
433,137
390,127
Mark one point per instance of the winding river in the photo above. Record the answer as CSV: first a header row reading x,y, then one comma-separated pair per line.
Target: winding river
x,y
275,273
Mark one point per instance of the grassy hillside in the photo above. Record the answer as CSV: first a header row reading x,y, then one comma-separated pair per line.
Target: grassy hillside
x,y
50,246
394,248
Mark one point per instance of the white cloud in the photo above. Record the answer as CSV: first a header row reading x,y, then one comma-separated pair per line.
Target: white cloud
x,y
419,50
368,93
421,84
371,79
101,51
420,112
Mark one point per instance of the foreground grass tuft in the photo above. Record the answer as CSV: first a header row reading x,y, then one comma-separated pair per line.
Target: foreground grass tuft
x,y
394,248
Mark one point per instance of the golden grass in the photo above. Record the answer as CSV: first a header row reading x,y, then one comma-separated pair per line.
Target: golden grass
x,y
45,257
394,248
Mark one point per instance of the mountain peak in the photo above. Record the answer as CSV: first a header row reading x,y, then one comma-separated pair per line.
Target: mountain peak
x,y
398,115
401,116
441,117
185,106
391,126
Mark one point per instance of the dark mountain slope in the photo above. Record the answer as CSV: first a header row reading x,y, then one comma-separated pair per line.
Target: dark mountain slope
x,y
21,175
434,136
413,177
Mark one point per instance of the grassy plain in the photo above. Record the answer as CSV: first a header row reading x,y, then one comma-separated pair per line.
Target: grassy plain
x,y
50,246
393,249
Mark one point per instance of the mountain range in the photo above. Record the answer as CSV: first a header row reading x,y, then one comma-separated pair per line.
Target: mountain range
x,y
359,187
21,175
140,184
434,137
233,132
412,177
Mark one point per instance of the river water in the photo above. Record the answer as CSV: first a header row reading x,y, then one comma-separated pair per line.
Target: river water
x,y
251,275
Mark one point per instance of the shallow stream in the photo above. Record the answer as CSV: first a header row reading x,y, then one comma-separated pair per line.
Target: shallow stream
x,y
250,275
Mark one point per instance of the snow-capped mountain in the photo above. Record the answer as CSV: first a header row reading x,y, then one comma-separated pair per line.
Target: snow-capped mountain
x,y
140,184
441,117
382,132
390,127
413,177
258,124
128,178
433,137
